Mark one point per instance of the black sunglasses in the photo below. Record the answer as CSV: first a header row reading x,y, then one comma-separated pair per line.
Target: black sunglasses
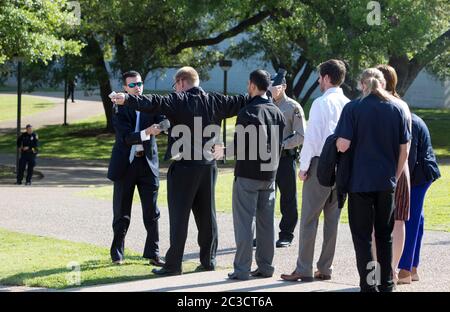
x,y
134,84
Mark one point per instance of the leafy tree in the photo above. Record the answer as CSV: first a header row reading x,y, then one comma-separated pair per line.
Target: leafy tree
x,y
35,29
410,36
148,35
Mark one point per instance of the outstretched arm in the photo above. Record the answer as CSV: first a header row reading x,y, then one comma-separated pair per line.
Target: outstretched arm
x,y
151,104
227,106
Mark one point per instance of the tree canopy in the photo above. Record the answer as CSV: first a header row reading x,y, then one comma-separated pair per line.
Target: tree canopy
x,y
36,30
113,36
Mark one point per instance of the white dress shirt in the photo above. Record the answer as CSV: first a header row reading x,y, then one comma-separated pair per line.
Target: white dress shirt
x,y
323,118
144,137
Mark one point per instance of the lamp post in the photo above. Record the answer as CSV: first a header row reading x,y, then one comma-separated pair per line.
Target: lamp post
x,y
19,61
225,65
65,91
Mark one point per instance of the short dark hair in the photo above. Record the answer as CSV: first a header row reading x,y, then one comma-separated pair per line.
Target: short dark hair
x,y
335,69
129,74
261,79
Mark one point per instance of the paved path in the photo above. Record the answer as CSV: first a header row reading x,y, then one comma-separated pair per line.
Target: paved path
x,y
217,282
62,212
84,107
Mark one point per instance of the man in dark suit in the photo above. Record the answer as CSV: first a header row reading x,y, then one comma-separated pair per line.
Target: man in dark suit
x,y
191,178
134,162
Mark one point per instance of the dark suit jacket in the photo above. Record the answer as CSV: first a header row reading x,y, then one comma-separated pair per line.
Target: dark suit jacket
x,y
422,162
335,168
124,122
181,108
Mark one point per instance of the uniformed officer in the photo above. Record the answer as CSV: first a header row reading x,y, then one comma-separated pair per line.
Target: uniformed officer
x,y
286,179
191,179
27,143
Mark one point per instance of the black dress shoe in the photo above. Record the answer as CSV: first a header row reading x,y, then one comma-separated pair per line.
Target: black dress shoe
x,y
258,273
235,276
165,272
118,262
282,243
202,268
157,262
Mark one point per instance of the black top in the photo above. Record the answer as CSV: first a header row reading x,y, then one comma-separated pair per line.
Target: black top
x,y
422,163
335,168
258,112
28,140
181,108
377,129
124,122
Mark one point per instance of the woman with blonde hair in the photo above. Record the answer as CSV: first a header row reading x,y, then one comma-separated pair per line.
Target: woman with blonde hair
x,y
377,132
403,189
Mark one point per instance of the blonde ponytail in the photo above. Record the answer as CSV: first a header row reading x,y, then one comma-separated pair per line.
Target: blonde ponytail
x,y
375,83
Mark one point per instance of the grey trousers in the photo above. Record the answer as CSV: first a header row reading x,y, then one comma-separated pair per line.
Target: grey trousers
x,y
253,198
315,199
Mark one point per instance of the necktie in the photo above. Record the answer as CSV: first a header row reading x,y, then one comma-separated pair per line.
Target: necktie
x,y
136,129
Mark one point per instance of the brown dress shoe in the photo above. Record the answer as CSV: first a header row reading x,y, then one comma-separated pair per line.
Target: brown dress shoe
x,y
404,277
294,276
321,276
157,262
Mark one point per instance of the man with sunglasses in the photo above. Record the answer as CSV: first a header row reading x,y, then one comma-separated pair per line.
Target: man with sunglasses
x,y
134,162
190,181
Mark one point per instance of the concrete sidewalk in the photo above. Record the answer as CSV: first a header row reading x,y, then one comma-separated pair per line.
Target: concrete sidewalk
x,y
61,212
218,282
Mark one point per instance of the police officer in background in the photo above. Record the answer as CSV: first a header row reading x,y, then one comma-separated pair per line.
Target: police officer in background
x,y
27,144
286,179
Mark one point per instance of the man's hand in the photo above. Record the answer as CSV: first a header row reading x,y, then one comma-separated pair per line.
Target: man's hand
x,y
218,151
153,130
303,175
118,98
342,145
25,148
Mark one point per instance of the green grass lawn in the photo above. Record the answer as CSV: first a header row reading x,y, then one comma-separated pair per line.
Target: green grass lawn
x,y
88,140
85,140
30,105
36,261
6,172
438,122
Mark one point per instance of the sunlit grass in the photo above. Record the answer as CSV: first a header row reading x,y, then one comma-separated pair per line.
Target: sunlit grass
x,y
36,261
30,105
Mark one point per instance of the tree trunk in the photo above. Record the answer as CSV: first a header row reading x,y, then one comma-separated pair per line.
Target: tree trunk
x,y
350,88
300,85
98,62
408,69
309,93
406,72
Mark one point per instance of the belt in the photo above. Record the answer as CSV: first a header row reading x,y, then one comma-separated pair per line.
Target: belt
x,y
139,154
196,162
